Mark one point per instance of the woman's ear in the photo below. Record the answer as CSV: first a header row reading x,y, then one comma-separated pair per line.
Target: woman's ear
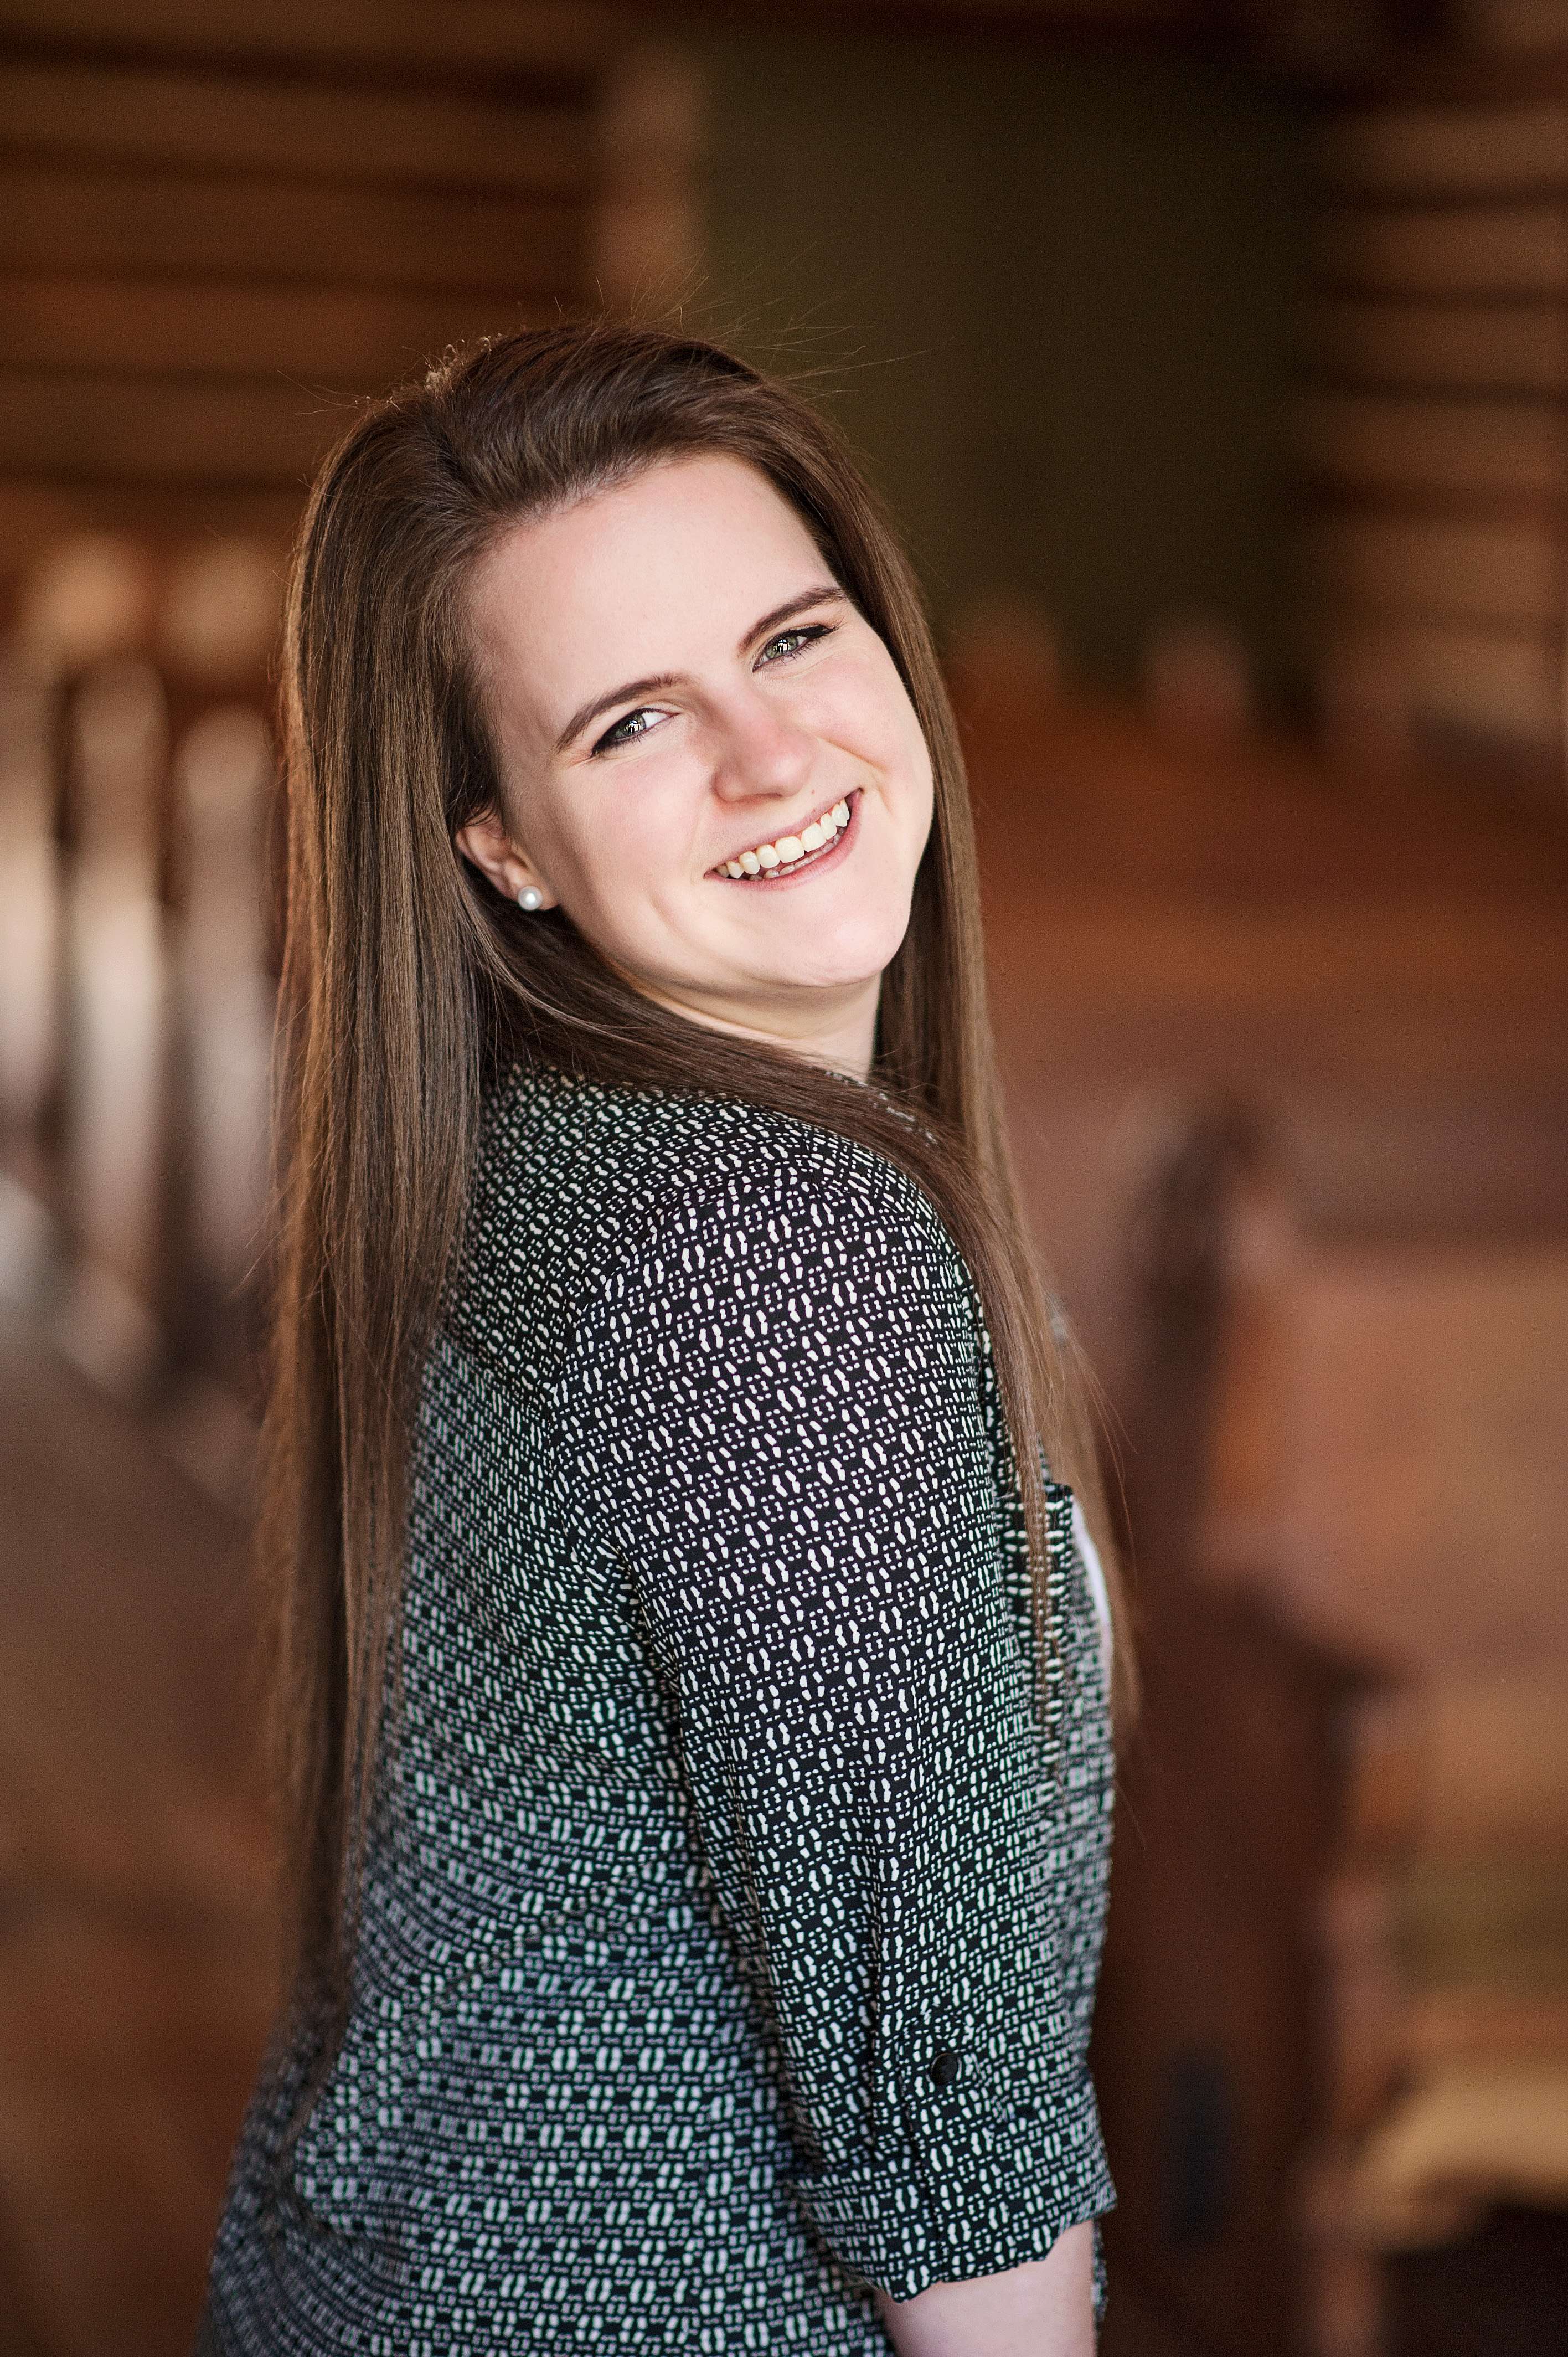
x,y
486,844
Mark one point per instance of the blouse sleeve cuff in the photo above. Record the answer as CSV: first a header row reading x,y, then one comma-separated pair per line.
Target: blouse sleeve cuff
x,y
964,2196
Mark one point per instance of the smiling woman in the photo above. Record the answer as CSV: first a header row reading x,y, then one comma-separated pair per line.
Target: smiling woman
x,y
766,717
692,1662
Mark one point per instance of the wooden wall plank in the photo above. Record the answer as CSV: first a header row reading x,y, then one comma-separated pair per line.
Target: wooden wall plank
x,y
284,130
220,226
341,335
85,428
1465,449
1472,250
35,513
1510,575
1438,347
1425,151
498,34
54,219
1436,445
546,36
1533,31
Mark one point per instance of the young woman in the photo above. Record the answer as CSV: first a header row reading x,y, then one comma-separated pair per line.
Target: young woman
x,y
691,1686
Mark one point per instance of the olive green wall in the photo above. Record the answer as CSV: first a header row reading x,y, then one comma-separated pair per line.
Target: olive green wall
x,y
1049,298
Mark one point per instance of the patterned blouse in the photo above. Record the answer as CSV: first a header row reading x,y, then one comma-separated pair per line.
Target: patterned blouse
x,y
733,1908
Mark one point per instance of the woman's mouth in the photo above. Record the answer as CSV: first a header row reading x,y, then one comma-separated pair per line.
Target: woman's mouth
x,y
787,854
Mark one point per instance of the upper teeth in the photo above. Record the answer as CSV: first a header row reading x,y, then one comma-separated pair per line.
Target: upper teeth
x,y
790,849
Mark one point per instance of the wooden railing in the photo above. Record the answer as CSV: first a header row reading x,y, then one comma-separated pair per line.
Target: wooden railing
x,y
136,804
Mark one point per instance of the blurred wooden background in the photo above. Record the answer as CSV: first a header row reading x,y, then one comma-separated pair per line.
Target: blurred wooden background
x,y
1223,386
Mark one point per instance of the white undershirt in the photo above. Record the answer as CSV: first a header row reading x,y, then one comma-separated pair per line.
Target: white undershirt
x,y
1095,1571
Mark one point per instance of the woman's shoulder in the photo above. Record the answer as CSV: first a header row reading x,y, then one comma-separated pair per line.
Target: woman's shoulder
x,y
578,1177
606,1139
583,1192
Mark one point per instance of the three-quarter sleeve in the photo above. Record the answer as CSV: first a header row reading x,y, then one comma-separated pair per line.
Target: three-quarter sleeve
x,y
777,1382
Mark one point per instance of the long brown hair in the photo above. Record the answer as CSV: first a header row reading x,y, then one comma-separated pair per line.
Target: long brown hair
x,y
408,980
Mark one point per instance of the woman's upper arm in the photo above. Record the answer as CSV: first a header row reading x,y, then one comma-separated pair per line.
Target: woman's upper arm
x,y
779,1391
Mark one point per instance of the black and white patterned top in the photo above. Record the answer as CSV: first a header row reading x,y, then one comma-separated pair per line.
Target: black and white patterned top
x,y
733,1910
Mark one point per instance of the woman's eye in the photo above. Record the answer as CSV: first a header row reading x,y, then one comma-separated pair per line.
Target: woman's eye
x,y
779,649
790,643
634,725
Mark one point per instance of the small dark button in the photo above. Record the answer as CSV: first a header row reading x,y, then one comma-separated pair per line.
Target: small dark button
x,y
944,2070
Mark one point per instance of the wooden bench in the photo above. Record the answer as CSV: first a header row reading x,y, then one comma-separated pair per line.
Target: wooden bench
x,y
1334,2023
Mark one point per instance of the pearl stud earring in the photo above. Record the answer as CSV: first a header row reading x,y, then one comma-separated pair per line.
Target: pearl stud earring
x,y
530,899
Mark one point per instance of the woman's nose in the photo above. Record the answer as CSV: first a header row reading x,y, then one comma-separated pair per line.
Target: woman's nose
x,y
760,752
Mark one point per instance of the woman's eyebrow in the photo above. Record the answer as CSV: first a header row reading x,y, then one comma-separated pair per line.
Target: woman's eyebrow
x,y
597,703
819,595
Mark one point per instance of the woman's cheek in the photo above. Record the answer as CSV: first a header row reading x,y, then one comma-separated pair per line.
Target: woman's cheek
x,y
622,857
870,718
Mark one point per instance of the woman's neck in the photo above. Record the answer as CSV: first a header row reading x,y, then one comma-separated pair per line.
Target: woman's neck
x,y
840,1035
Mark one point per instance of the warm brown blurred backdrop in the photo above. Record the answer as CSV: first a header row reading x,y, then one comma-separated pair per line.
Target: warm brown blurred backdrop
x,y
1216,358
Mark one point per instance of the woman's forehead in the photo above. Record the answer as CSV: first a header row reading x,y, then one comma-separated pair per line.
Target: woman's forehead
x,y
646,576
631,546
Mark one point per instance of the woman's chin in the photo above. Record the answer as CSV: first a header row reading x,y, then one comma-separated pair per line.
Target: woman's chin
x,y
823,983
832,951
782,977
